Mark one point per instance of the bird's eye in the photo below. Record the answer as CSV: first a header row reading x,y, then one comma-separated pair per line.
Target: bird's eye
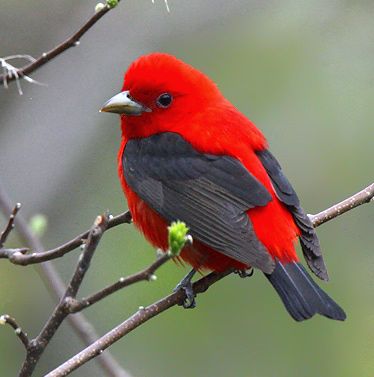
x,y
164,100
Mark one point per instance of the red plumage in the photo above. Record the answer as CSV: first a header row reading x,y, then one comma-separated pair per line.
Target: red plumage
x,y
217,129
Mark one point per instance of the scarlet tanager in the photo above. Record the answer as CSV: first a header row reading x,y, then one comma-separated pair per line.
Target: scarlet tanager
x,y
188,154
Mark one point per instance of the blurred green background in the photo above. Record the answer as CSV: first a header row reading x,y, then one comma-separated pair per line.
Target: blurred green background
x,y
301,70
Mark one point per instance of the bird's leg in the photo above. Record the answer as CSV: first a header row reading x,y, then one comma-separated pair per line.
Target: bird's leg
x,y
245,273
186,285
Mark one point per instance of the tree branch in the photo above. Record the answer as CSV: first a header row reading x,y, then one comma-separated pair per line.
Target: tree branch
x,y
362,197
145,275
38,345
56,286
72,41
130,324
18,256
10,225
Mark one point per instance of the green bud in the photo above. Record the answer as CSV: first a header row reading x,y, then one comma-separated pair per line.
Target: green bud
x,y
177,236
112,3
38,224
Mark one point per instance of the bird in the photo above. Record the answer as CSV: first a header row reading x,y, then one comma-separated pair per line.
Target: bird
x,y
187,153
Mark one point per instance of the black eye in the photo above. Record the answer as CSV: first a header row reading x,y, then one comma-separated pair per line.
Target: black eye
x,y
164,100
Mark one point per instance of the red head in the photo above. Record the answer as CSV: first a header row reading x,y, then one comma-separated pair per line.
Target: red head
x,y
161,93
153,75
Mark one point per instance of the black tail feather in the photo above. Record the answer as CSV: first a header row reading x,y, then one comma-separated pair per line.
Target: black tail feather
x,y
301,296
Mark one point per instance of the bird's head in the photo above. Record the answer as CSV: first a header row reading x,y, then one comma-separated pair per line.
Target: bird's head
x,y
159,93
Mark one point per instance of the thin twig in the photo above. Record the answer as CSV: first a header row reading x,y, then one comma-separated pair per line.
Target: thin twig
x,y
97,231
38,256
10,225
6,319
145,275
59,49
362,197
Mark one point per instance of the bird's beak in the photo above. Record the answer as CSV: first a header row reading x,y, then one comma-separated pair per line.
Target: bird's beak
x,y
122,103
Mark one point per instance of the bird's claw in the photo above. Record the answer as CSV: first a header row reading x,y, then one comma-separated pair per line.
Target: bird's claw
x,y
245,273
186,285
189,302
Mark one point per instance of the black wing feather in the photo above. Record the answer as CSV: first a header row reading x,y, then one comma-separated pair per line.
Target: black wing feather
x,y
285,192
210,193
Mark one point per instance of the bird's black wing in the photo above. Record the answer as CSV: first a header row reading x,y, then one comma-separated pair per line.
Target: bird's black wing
x,y
210,193
286,194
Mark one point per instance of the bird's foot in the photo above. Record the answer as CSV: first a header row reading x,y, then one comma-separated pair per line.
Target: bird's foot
x,y
245,273
186,285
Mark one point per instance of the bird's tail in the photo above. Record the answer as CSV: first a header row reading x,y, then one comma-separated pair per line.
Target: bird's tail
x,y
301,296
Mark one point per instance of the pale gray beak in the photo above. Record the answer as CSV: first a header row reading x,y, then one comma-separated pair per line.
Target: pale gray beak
x,y
122,103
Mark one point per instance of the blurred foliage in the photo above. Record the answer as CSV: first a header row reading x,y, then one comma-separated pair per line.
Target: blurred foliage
x,y
38,224
301,70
